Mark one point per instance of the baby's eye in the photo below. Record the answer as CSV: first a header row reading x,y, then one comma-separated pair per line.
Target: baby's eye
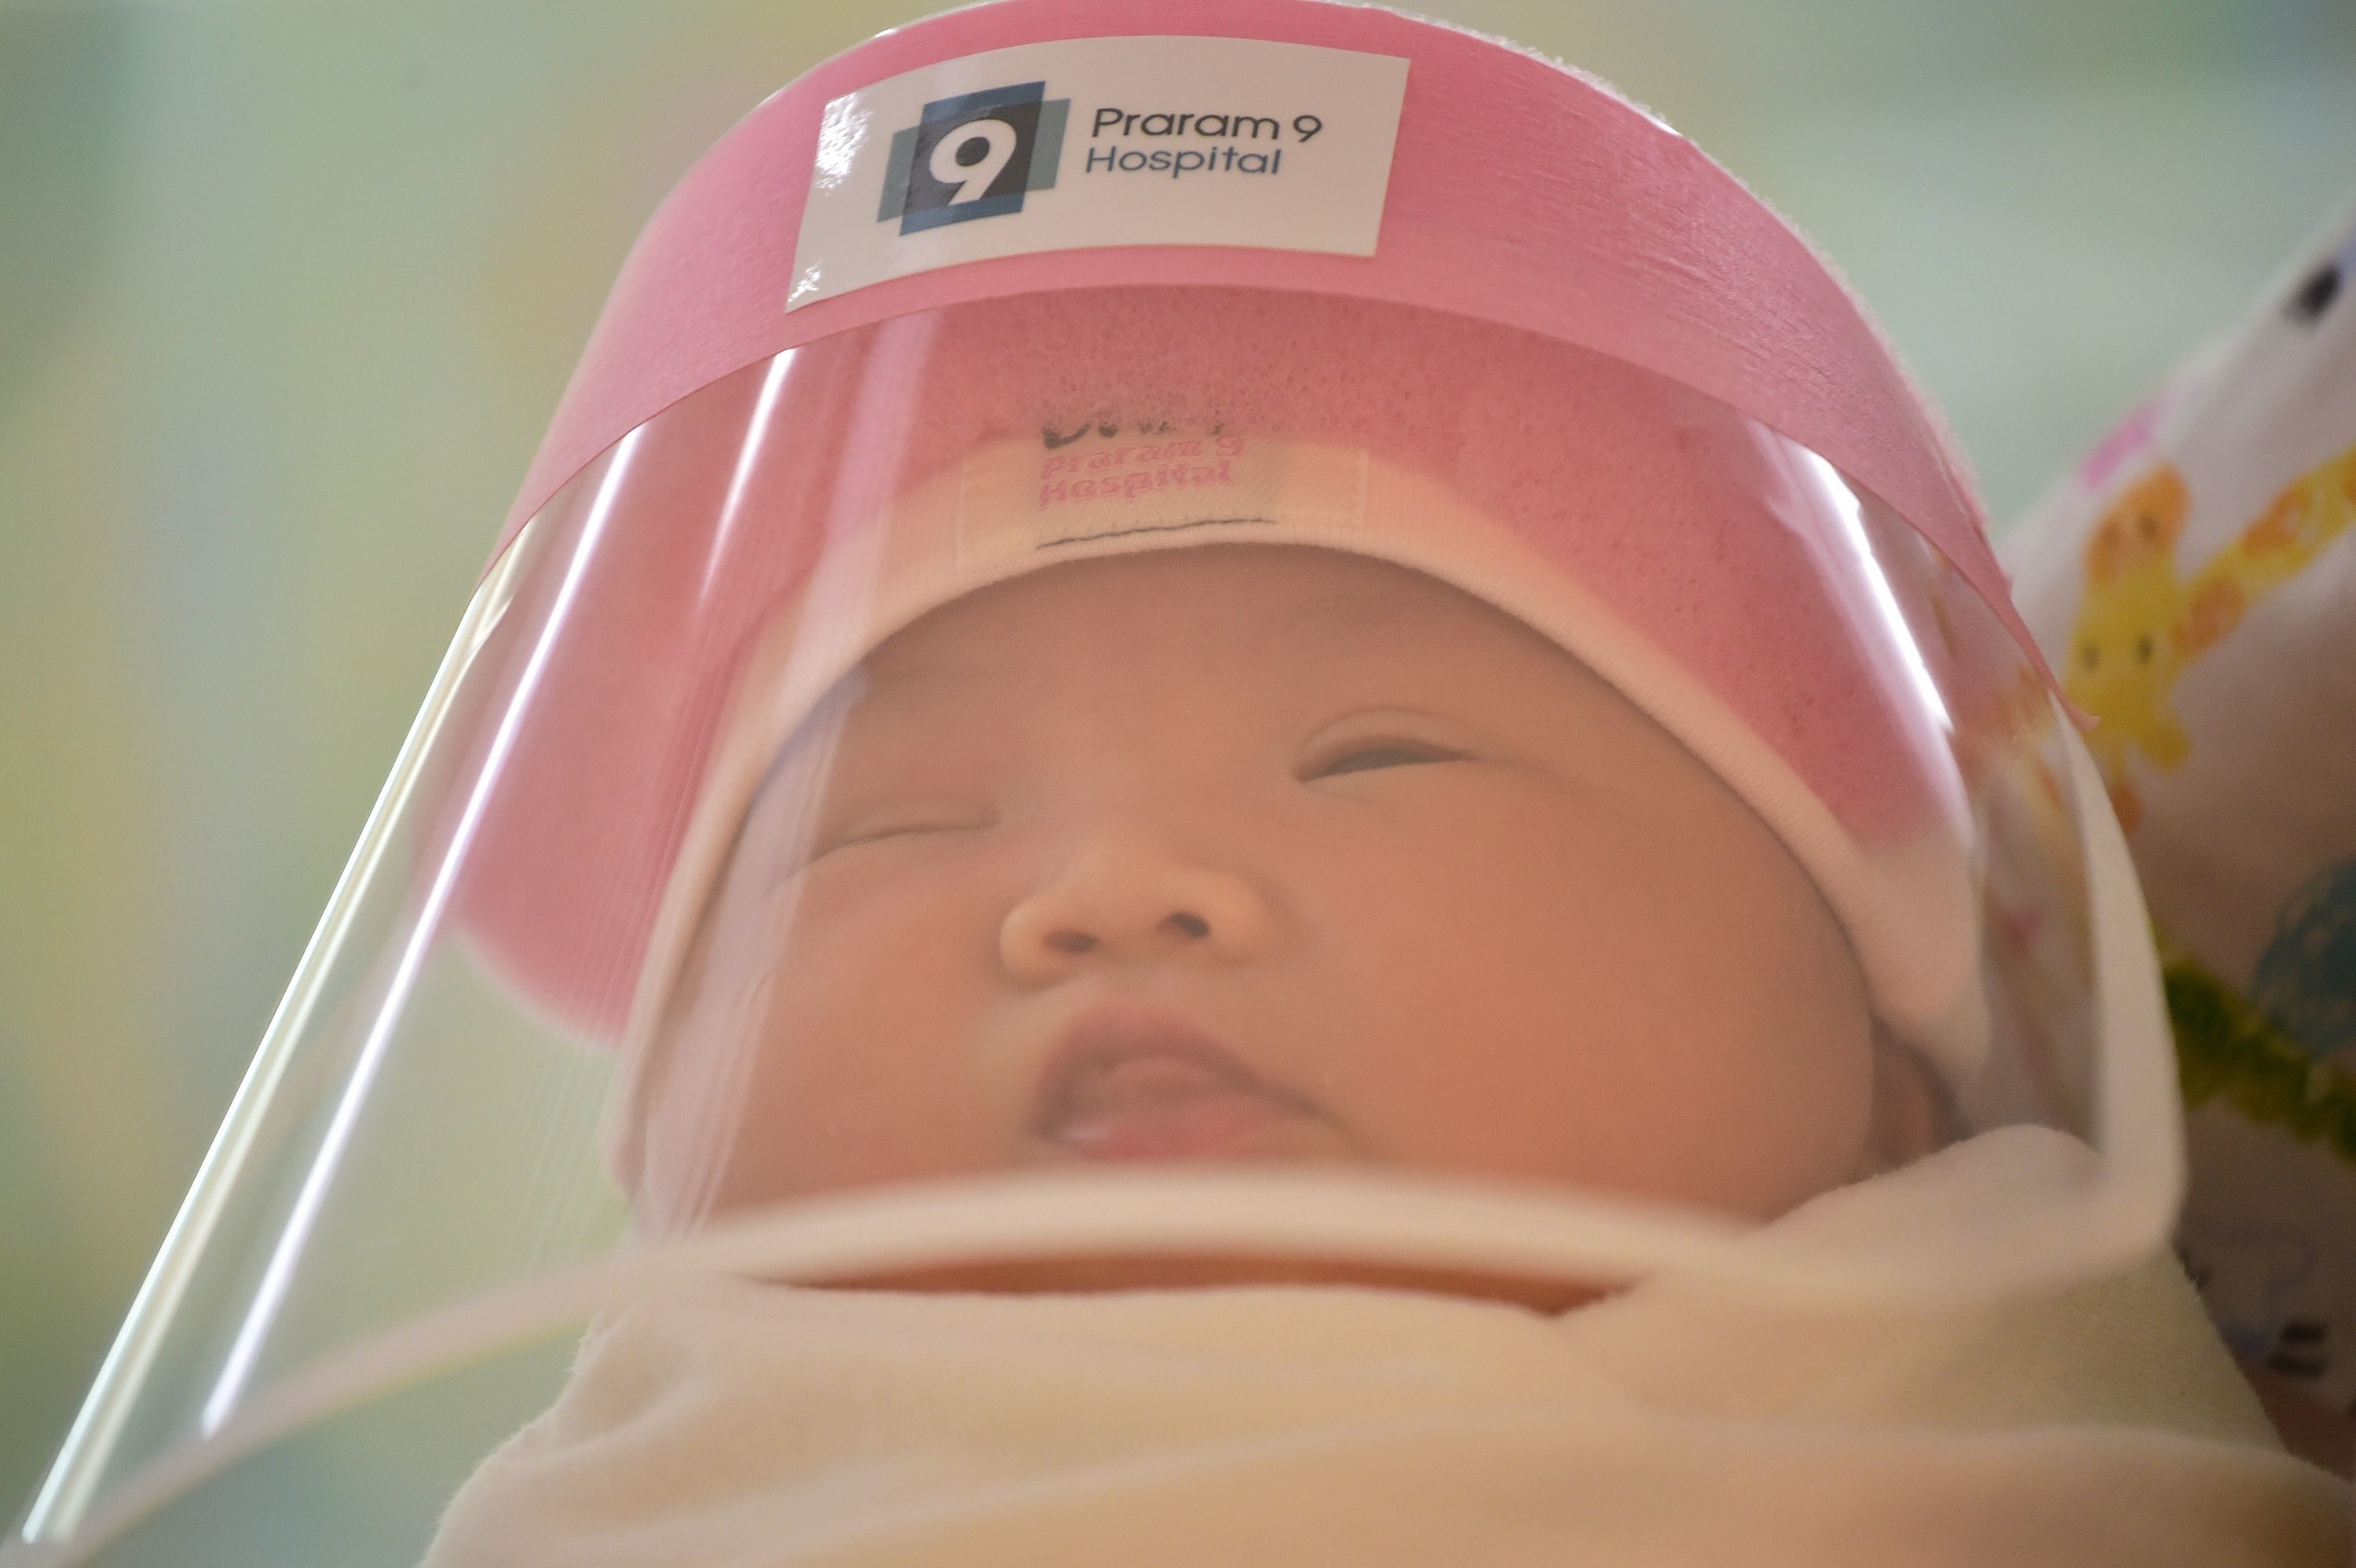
x,y
1366,756
886,829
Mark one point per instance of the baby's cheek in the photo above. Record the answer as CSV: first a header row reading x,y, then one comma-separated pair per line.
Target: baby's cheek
x,y
866,1071
1501,1016
1548,997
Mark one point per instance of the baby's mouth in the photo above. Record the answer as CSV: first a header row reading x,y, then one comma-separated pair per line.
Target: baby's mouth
x,y
1148,1087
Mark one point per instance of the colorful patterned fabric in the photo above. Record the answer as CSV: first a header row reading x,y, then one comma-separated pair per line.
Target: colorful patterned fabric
x,y
2194,583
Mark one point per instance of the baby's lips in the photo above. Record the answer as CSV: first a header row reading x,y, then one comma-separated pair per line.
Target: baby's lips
x,y
1146,1085
1104,1085
1208,1119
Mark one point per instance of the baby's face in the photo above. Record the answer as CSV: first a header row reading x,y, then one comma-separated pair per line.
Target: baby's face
x,y
1252,853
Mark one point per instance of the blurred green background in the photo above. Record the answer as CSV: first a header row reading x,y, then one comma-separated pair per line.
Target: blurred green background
x,y
287,290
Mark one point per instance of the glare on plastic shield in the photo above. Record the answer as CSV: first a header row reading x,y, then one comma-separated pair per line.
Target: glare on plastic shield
x,y
1086,761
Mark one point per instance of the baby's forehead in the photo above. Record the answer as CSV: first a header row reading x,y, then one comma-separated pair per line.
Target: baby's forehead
x,y
1248,612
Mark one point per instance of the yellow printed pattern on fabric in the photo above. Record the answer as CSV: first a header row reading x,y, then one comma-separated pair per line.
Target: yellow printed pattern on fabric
x,y
2141,623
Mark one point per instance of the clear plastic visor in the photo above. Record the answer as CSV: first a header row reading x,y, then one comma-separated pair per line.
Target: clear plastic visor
x,y
1170,788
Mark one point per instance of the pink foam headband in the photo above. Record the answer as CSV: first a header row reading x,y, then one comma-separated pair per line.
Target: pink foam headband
x,y
1519,193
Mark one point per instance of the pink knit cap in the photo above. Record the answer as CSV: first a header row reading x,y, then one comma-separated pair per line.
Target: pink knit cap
x,y
1694,558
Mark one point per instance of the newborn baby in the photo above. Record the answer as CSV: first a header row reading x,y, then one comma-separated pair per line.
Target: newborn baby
x,y
1254,854
1496,706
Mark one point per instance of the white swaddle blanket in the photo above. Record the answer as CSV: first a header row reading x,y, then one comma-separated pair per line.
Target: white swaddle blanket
x,y
752,1426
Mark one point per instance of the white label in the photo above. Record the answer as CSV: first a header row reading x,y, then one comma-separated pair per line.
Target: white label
x,y
1088,142
1021,497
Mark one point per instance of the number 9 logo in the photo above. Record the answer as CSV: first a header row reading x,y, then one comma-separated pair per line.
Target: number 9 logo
x,y
974,155
971,156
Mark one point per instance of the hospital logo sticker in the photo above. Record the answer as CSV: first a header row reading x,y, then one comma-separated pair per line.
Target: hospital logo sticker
x,y
974,155
1098,143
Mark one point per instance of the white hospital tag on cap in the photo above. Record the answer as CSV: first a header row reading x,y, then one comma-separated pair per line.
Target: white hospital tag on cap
x,y
1091,141
1105,489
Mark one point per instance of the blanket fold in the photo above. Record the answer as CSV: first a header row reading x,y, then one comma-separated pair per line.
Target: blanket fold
x,y
749,1426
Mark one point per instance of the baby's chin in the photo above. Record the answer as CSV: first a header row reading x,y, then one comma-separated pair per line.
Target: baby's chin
x,y
1100,1276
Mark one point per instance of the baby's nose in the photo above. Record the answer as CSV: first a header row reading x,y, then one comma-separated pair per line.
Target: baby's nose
x,y
1127,903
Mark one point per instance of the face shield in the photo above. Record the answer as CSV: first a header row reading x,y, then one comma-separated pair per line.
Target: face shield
x,y
1388,754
